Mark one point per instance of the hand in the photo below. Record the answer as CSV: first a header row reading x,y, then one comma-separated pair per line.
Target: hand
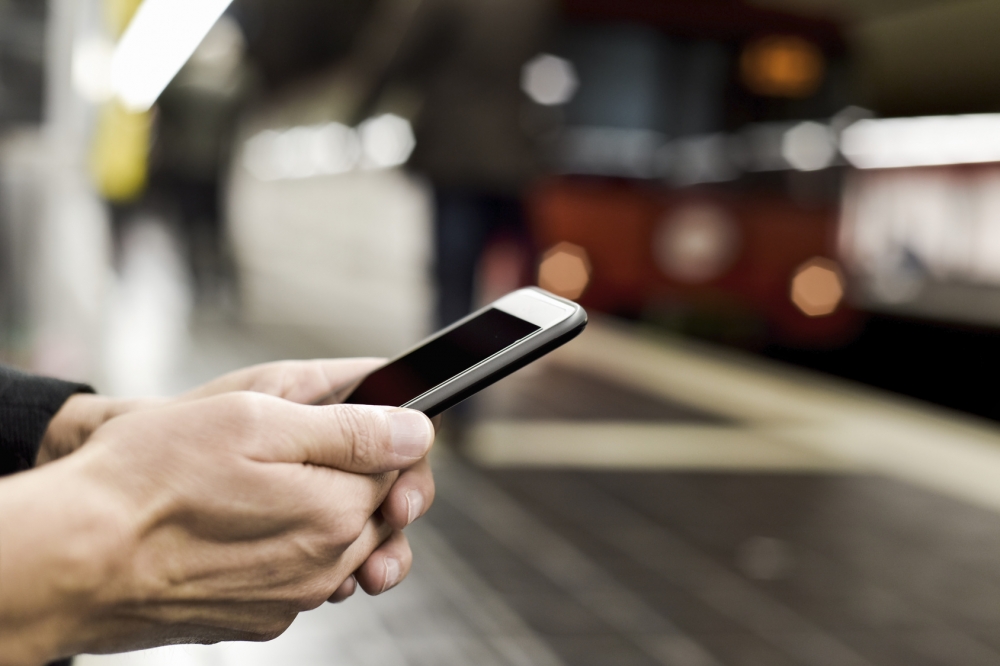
x,y
309,382
206,520
303,382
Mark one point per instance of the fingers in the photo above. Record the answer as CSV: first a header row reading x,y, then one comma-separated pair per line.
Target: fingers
x,y
374,542
362,493
340,374
387,566
410,497
384,569
345,591
304,382
351,438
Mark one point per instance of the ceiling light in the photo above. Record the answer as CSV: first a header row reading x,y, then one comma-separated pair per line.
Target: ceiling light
x,y
158,41
915,142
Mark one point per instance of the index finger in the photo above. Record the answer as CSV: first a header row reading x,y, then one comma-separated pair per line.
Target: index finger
x,y
305,382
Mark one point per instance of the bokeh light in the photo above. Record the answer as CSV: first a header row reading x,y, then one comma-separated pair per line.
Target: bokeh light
x,y
809,146
696,243
91,69
899,143
565,270
818,287
382,142
782,66
549,80
387,141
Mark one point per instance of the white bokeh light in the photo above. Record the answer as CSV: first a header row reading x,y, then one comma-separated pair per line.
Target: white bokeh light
x,y
549,80
387,141
302,152
92,69
915,142
809,146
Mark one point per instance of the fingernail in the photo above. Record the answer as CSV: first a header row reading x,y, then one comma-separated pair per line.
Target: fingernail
x,y
352,587
411,433
414,504
391,573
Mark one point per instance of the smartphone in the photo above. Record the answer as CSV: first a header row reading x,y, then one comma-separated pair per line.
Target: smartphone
x,y
473,353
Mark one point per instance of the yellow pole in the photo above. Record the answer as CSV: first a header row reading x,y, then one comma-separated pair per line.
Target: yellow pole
x,y
119,158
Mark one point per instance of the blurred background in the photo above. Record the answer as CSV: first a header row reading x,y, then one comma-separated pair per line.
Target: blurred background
x,y
778,441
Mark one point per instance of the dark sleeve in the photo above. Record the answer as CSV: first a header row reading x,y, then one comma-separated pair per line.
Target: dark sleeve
x,y
27,404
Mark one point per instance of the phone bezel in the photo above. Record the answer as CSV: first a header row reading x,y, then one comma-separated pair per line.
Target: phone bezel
x,y
533,307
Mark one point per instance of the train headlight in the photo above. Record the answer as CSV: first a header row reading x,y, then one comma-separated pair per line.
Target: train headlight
x,y
818,287
565,270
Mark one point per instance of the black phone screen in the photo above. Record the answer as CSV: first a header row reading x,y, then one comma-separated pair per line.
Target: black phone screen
x,y
441,359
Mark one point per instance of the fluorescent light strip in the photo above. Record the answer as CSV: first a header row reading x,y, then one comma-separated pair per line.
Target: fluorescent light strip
x,y
159,40
915,142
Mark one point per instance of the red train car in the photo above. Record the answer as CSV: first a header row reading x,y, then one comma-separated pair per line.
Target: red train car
x,y
744,263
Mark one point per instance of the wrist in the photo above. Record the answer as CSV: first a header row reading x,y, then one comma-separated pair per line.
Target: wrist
x,y
61,544
77,420
79,416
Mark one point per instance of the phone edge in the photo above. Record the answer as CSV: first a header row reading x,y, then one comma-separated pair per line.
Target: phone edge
x,y
502,364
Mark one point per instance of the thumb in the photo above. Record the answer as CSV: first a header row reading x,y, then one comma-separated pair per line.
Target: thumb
x,y
354,438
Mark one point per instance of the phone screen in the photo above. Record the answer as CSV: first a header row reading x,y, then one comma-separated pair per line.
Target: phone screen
x,y
441,359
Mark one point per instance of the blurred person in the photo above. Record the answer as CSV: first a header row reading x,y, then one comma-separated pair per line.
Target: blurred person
x,y
196,117
216,515
462,61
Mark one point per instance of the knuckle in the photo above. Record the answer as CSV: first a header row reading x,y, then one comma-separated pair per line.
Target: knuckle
x,y
271,628
362,435
277,379
319,549
245,408
314,597
336,531
250,417
349,521
354,525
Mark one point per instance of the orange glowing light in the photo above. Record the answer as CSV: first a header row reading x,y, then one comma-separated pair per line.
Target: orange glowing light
x,y
565,270
782,66
818,287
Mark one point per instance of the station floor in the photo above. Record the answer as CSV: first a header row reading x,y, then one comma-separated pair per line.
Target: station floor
x,y
638,499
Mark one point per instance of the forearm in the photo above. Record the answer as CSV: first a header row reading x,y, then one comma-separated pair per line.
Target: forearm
x,y
56,552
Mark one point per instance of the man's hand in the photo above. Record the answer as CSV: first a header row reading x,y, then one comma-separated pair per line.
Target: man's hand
x,y
303,382
207,519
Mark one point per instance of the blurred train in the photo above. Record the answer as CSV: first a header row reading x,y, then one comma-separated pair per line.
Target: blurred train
x,y
688,192
703,168
717,178
741,267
